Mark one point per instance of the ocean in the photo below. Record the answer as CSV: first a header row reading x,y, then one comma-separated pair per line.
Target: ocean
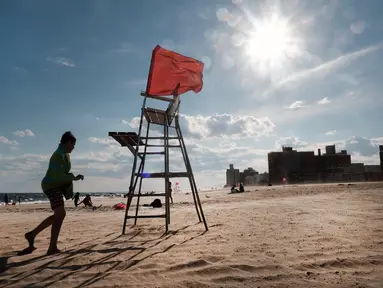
x,y
41,198
32,197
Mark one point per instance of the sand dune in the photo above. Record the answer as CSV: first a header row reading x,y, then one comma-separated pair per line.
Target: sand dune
x,y
293,236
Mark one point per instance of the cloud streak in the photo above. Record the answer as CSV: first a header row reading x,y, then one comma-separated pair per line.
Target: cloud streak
x,y
297,104
62,61
329,66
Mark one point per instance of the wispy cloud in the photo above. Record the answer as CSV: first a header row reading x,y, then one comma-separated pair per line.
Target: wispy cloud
x,y
62,61
5,140
297,105
23,133
324,101
105,141
329,66
330,132
20,70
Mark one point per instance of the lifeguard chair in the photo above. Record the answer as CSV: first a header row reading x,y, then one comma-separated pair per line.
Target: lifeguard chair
x,y
168,119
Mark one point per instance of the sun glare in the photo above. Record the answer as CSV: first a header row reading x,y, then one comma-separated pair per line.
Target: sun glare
x,y
270,43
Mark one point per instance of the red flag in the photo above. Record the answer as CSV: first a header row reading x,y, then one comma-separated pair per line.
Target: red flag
x,y
168,69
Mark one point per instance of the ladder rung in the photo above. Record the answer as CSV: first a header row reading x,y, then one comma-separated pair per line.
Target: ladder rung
x,y
161,145
160,138
162,175
152,153
146,216
148,195
162,98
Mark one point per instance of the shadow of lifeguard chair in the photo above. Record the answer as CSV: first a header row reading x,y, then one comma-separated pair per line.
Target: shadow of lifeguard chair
x,y
134,142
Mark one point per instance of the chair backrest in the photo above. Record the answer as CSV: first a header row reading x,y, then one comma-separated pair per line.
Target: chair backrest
x,y
173,109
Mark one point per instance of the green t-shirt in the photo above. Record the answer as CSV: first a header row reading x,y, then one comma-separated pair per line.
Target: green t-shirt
x,y
58,171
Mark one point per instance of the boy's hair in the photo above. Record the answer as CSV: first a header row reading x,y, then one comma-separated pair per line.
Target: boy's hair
x,y
68,137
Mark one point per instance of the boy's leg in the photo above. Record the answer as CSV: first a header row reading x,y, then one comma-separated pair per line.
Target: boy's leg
x,y
30,236
56,200
57,204
58,218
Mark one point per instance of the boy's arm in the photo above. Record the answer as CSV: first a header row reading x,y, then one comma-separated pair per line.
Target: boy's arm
x,y
69,164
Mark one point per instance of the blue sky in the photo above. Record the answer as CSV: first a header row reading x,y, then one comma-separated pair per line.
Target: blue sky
x,y
305,73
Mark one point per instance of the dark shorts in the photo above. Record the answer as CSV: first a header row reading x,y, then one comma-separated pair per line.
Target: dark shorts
x,y
55,197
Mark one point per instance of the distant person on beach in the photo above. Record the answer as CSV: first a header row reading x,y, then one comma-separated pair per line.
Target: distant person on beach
x,y
6,199
241,188
19,200
170,191
56,184
87,201
234,190
76,198
155,204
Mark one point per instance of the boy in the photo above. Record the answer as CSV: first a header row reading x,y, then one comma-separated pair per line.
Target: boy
x,y
56,182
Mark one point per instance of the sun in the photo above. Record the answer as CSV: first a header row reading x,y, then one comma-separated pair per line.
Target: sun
x,y
270,42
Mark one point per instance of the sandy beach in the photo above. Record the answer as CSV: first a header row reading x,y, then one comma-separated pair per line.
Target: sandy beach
x,y
294,236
